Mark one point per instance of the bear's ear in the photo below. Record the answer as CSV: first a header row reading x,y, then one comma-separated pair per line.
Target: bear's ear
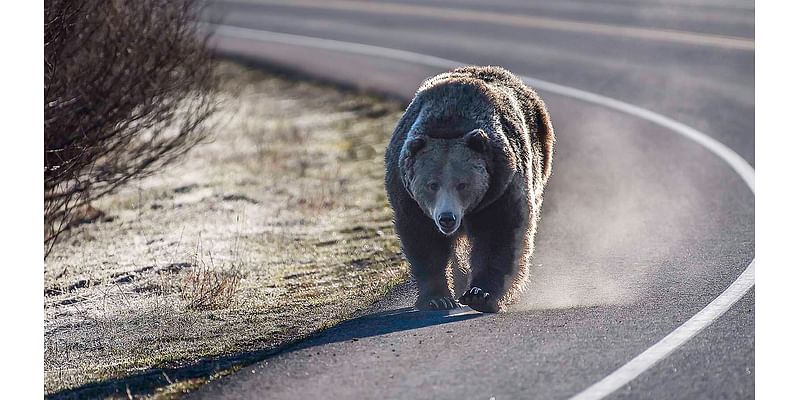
x,y
477,140
415,145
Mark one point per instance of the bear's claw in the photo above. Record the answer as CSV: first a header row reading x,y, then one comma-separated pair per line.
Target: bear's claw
x,y
479,300
439,303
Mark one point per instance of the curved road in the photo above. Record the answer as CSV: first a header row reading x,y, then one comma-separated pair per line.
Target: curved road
x,y
642,228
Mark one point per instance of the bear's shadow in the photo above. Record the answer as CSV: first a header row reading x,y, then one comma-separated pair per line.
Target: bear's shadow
x,y
375,324
385,322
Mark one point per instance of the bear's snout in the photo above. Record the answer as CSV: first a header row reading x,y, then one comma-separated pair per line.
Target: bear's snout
x,y
447,222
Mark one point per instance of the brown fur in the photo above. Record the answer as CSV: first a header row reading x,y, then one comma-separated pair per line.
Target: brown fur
x,y
500,227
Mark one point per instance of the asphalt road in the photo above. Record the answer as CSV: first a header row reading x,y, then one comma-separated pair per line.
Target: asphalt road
x,y
641,227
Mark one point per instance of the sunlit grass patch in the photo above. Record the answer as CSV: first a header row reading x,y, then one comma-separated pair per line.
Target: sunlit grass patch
x,y
275,229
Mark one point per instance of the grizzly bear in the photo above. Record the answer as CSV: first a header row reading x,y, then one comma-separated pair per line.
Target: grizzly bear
x,y
469,159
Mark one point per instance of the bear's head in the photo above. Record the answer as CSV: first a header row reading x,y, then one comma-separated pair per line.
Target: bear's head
x,y
446,177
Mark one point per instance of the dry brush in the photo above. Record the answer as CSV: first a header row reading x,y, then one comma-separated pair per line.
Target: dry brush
x,y
128,89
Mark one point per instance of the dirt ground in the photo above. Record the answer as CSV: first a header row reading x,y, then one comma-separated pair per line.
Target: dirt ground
x,y
274,229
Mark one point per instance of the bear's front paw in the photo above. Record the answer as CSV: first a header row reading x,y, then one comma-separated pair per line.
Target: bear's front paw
x,y
479,300
437,303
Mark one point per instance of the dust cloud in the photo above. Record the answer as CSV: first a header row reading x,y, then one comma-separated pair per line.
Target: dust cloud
x,y
617,211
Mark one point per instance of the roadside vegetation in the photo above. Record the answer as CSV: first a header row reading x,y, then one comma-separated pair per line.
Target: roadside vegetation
x,y
273,229
198,214
128,86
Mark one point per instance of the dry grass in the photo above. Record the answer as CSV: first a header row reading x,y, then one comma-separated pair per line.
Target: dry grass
x,y
208,287
277,228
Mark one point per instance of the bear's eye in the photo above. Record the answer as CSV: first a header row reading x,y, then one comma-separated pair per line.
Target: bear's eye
x,y
433,186
461,186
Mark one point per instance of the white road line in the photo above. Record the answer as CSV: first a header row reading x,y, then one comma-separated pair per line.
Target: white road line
x,y
633,368
629,371
734,160
519,20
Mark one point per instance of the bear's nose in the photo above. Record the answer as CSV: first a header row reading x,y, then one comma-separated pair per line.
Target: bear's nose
x,y
447,220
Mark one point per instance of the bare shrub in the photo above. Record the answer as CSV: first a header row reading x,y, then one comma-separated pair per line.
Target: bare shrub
x,y
128,87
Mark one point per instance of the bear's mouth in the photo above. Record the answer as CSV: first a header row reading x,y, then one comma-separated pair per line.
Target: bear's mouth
x,y
447,233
